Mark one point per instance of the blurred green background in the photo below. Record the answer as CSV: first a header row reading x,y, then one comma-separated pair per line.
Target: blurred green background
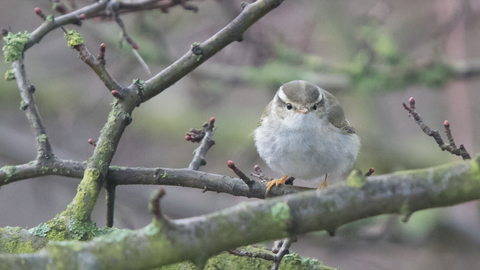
x,y
372,55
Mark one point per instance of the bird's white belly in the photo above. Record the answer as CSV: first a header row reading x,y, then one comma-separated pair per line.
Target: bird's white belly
x,y
306,151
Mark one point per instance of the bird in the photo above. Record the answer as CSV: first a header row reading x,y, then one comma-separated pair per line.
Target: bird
x,y
303,133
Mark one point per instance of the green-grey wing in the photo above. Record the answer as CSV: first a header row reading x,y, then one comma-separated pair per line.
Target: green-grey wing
x,y
336,117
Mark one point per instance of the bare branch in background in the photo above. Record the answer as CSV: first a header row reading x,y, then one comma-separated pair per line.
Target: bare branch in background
x,y
450,147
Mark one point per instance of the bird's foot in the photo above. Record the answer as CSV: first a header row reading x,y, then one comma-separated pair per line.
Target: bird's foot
x,y
324,184
275,182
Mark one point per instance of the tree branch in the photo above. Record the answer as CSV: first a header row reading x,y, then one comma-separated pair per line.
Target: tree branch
x,y
98,65
326,209
148,176
450,147
205,144
201,52
44,149
54,23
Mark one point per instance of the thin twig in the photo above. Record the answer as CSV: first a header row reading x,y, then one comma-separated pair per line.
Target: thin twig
x,y
98,65
44,149
163,5
451,147
206,143
284,250
259,174
110,202
370,172
251,254
240,174
154,205
124,31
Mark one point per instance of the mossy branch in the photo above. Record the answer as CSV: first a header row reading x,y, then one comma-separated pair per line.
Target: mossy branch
x,y
397,193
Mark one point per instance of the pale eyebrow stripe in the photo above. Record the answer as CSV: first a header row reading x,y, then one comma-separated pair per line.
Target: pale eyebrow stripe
x,y
282,95
320,96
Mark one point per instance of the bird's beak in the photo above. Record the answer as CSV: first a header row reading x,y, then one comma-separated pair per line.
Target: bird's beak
x,y
303,110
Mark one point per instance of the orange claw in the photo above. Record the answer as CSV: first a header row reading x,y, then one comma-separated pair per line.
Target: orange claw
x,y
324,184
276,182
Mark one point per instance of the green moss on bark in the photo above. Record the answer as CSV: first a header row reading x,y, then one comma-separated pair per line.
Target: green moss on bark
x,y
13,45
225,261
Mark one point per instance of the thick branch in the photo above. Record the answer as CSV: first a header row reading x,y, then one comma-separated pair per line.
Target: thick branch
x,y
98,165
326,209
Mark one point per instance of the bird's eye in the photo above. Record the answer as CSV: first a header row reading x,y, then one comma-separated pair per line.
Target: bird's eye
x,y
314,107
289,106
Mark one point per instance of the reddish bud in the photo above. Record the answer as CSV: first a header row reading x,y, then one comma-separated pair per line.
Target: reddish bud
x,y
370,172
230,164
83,17
116,94
135,46
92,142
187,137
411,100
39,12
212,120
102,46
446,123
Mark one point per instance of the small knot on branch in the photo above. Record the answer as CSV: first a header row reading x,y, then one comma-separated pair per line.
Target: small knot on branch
x,y
197,50
239,173
92,142
82,17
154,205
